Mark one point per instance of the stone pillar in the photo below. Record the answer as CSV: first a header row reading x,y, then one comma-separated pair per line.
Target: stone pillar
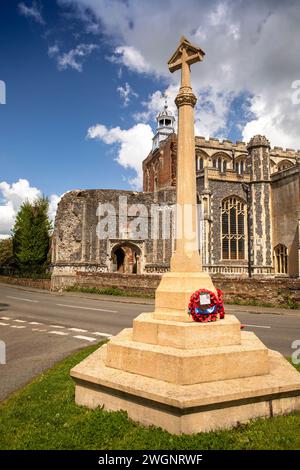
x,y
186,257
186,275
259,167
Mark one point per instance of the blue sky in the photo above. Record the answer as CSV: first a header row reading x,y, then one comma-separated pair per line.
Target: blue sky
x,y
44,123
85,78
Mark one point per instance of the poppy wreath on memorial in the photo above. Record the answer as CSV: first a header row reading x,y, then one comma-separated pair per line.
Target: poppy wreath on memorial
x,y
206,313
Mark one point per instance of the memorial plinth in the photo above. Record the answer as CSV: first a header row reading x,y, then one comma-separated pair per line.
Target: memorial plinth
x,y
168,370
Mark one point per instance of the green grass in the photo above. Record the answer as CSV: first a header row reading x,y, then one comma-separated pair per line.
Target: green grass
x,y
110,291
256,303
43,415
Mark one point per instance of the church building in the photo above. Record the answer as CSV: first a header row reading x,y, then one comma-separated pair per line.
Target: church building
x,y
248,213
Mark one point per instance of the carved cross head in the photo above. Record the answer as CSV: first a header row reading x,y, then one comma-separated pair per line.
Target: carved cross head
x,y
186,53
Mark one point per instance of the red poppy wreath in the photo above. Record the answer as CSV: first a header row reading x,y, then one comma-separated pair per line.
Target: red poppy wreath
x,y
206,306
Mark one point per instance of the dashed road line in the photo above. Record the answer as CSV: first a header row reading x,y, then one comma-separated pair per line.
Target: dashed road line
x,y
60,333
87,308
86,338
257,326
98,333
37,328
78,330
23,300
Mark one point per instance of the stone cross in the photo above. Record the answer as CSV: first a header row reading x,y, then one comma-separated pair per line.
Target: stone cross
x,y
186,256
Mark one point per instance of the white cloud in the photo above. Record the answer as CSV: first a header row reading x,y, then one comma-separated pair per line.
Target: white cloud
x,y
32,11
53,203
132,146
131,58
53,50
251,48
156,102
73,58
12,197
126,93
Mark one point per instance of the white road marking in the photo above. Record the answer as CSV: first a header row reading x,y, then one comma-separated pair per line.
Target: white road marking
x,y
256,326
78,330
61,333
20,298
3,324
107,335
4,318
35,323
38,329
17,326
20,321
87,308
86,338
56,326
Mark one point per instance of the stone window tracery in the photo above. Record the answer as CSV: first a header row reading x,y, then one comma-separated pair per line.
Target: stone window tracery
x,y
220,163
233,228
281,259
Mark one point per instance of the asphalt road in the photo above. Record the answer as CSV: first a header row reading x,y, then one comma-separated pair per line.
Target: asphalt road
x,y
40,328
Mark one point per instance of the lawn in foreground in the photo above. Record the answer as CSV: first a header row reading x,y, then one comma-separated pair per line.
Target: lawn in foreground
x,y
43,415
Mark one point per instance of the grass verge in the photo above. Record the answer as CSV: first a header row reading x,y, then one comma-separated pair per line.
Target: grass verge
x,y
110,291
43,415
256,303
151,295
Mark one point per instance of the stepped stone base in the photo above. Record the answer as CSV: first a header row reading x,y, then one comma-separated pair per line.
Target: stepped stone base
x,y
187,408
188,366
187,377
186,335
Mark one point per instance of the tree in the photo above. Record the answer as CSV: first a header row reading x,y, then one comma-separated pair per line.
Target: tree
x,y
6,253
31,235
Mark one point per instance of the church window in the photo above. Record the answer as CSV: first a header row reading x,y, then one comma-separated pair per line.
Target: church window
x,y
240,167
233,228
284,165
200,163
168,122
161,122
281,259
220,163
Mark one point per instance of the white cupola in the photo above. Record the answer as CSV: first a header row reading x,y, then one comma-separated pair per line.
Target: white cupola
x,y
165,126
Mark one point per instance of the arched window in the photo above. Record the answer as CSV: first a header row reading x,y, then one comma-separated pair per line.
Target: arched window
x,y
240,167
284,164
281,259
200,163
233,228
220,163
